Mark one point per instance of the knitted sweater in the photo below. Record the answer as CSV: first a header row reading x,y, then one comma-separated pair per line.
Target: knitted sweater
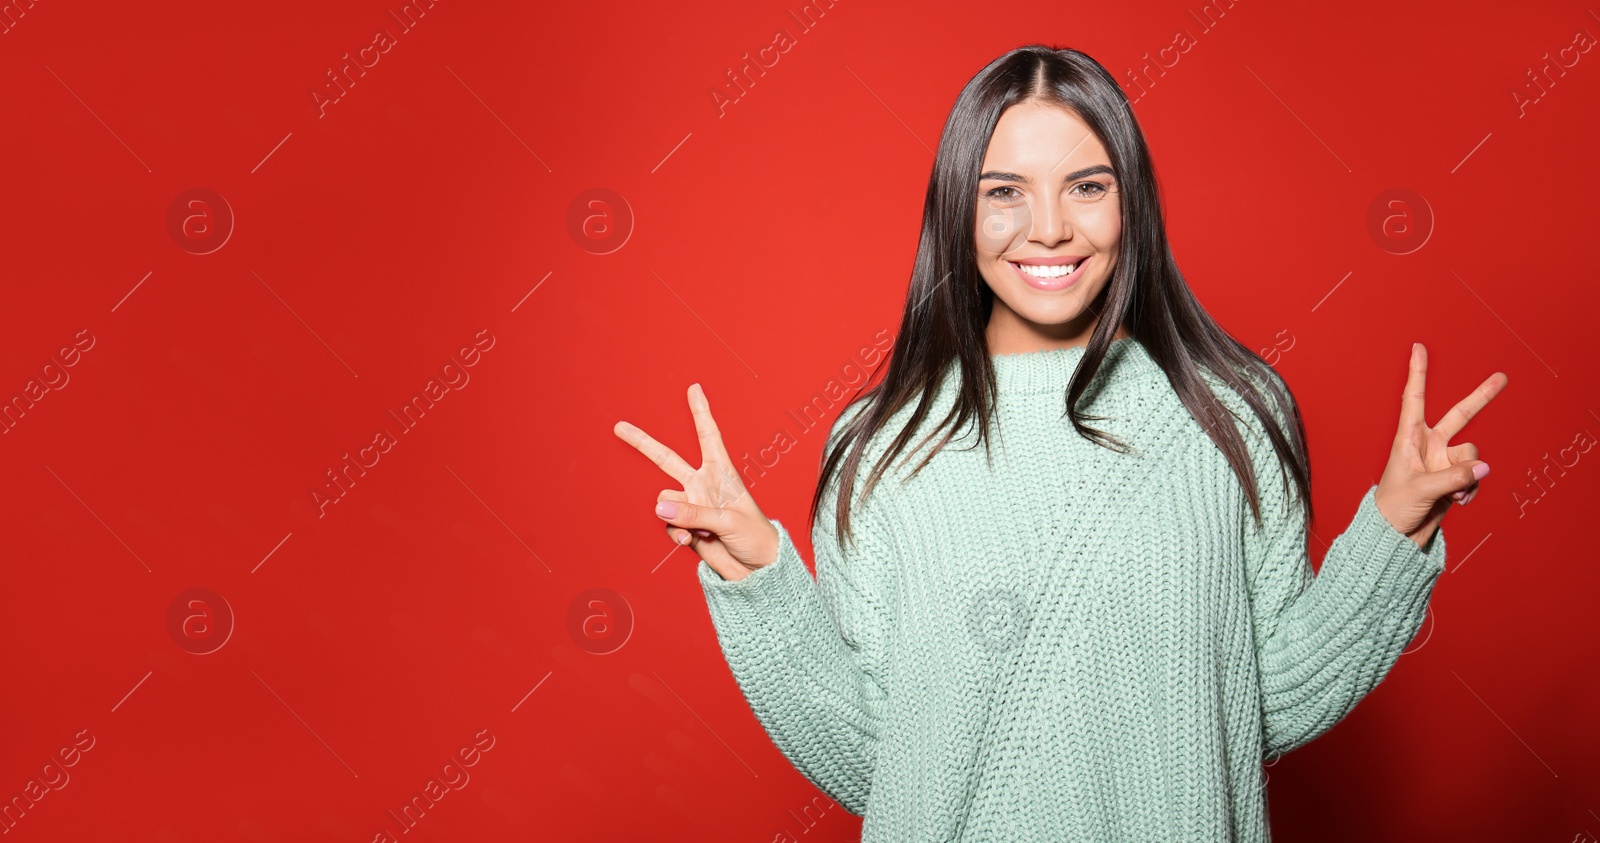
x,y
1068,643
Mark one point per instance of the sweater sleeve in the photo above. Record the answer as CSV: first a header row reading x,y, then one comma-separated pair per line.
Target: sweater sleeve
x,y
1324,640
810,655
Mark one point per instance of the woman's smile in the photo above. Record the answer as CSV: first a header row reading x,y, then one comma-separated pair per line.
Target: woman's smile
x,y
1058,273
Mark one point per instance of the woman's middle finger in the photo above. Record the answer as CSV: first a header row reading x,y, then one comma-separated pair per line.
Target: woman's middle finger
x,y
665,458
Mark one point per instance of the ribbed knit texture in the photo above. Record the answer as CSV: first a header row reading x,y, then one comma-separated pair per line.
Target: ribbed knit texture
x,y
1070,643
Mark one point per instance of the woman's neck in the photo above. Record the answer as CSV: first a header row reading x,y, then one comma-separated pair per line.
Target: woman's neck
x,y
1008,332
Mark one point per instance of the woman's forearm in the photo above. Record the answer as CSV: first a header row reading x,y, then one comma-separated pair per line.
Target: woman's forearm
x,y
800,677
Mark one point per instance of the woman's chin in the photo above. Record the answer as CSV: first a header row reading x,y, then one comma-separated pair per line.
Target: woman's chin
x,y
1051,317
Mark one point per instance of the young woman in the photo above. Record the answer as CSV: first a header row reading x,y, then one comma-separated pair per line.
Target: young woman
x,y
1072,632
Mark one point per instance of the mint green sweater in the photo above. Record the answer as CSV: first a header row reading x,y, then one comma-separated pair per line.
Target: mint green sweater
x,y
1068,644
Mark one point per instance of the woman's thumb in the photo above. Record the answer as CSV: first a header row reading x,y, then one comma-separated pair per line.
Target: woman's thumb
x,y
691,516
1455,478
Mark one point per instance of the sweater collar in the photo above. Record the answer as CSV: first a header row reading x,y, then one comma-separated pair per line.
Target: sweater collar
x,y
1052,369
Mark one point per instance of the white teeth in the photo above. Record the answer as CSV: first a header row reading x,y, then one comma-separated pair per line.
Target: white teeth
x,y
1048,271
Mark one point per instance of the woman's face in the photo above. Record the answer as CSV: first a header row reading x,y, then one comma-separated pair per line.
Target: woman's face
x,y
1047,202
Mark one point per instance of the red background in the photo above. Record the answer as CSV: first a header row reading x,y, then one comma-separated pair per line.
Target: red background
x,y
771,240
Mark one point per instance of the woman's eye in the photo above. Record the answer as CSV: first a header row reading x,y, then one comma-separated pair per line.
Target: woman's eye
x,y
1097,189
1000,192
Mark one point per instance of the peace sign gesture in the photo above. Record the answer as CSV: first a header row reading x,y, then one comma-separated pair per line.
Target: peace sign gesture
x,y
713,513
1424,468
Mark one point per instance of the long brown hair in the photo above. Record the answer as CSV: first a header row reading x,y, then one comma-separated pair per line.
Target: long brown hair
x,y
948,304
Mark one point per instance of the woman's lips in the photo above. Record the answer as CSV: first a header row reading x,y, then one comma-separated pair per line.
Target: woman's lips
x,y
1061,283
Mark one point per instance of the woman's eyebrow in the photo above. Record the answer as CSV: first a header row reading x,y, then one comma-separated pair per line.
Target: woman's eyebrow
x,y
1086,171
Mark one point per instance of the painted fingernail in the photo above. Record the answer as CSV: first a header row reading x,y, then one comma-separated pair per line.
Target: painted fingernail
x,y
1480,471
667,509
1468,499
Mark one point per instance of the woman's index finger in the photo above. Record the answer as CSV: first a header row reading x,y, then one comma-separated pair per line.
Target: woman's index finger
x,y
664,457
1413,402
711,446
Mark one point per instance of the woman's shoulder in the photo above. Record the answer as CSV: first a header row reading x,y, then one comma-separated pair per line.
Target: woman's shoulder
x,y
855,415
1269,384
1273,473
881,440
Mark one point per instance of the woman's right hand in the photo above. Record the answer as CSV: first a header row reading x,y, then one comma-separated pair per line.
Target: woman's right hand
x,y
714,514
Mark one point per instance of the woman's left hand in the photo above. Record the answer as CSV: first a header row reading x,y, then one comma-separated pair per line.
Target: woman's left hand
x,y
1425,472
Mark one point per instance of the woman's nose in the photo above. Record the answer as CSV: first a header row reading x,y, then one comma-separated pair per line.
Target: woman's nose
x,y
1050,224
